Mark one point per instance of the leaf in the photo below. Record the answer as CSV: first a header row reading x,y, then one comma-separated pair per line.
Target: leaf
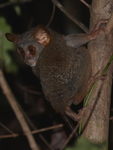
x,y
84,144
5,46
17,10
17,7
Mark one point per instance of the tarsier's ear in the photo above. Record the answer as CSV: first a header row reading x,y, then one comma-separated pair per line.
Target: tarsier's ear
x,y
12,37
42,35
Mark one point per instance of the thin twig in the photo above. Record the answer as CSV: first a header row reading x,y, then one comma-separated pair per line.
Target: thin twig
x,y
33,132
86,4
51,18
30,122
34,128
45,141
11,99
28,90
69,124
48,128
80,24
9,136
70,136
7,129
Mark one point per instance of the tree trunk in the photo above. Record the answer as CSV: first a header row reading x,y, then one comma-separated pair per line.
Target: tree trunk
x,y
101,49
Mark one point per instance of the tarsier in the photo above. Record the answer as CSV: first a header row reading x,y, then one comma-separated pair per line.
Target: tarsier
x,y
64,69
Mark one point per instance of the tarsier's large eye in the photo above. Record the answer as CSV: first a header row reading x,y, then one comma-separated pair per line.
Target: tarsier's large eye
x,y
21,51
32,50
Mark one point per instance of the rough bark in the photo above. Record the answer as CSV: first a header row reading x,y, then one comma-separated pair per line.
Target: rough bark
x,y
101,49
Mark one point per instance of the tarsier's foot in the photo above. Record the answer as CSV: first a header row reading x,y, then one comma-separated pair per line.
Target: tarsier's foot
x,y
81,111
98,23
99,75
93,79
73,115
103,77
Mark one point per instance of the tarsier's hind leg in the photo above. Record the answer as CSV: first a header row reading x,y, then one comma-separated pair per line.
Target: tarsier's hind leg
x,y
80,95
73,115
79,98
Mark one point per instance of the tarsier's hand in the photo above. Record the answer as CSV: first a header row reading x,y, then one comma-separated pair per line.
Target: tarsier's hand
x,y
97,29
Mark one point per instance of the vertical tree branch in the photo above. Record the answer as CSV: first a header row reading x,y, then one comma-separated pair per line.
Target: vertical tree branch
x,y
101,50
11,99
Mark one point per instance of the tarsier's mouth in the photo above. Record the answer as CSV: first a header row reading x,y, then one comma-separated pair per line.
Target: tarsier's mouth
x,y
32,64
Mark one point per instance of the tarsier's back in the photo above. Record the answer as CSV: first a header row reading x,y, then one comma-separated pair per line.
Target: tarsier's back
x,y
63,71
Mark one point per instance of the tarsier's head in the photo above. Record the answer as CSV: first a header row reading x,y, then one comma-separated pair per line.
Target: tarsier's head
x,y
31,43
